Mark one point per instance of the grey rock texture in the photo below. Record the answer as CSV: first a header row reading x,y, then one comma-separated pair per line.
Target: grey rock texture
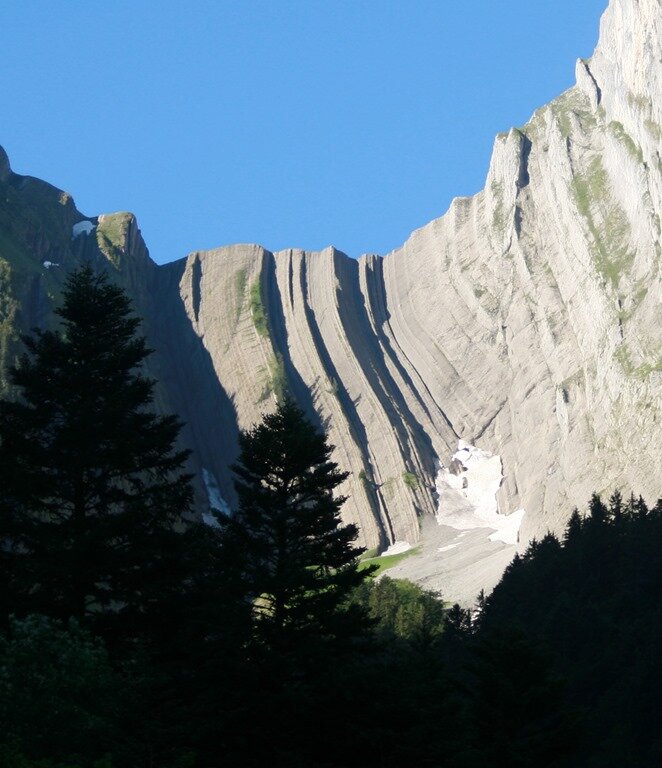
x,y
526,320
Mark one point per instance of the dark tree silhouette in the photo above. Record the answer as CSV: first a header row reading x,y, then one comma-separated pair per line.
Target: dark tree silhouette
x,y
92,486
458,623
594,603
574,527
300,562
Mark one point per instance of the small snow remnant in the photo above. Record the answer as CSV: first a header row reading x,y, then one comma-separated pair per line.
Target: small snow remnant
x,y
81,228
216,500
397,548
509,526
449,546
49,264
467,494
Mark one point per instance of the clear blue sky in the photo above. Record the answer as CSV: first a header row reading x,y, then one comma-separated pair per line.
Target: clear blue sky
x,y
290,123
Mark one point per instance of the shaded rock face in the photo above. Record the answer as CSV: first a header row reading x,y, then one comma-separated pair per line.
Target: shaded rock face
x,y
5,170
525,321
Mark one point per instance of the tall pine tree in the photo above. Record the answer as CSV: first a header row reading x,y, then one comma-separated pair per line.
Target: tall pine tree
x,y
299,561
93,490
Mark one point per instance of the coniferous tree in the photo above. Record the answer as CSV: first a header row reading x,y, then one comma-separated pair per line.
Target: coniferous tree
x,y
300,562
598,511
574,527
594,602
458,623
92,486
616,508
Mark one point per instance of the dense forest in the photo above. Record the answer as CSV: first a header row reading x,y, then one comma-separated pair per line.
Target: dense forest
x,y
134,635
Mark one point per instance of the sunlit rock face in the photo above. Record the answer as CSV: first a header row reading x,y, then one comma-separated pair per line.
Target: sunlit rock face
x,y
525,322
542,341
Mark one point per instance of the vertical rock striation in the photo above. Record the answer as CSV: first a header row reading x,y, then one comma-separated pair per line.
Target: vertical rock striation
x,y
525,321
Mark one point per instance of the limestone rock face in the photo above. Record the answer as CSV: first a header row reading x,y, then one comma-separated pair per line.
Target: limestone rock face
x,y
316,325
525,321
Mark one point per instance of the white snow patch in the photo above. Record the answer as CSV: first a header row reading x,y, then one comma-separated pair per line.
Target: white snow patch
x,y
397,548
449,546
467,494
82,227
508,532
216,500
49,264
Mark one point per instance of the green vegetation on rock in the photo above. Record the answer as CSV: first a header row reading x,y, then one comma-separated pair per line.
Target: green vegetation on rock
x,y
640,294
572,103
258,311
478,291
498,215
617,130
645,369
410,480
333,387
276,383
606,220
623,356
278,377
653,128
638,100
240,279
112,234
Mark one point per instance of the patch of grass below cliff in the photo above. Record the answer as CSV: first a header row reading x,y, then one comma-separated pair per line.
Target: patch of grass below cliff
x,y
384,562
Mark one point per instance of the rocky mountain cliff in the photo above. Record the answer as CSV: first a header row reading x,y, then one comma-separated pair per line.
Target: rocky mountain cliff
x,y
496,369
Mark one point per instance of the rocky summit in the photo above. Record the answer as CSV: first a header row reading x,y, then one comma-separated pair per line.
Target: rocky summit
x,y
477,383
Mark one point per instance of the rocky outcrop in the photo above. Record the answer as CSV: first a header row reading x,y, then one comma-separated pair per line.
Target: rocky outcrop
x,y
5,169
525,321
